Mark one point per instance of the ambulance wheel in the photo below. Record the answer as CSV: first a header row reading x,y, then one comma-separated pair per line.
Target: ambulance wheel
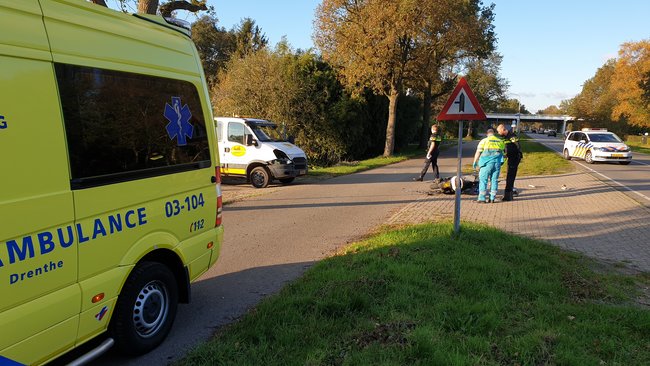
x,y
624,162
588,158
145,309
260,177
566,154
286,180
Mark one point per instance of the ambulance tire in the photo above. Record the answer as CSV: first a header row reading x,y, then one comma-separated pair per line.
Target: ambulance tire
x,y
566,154
286,180
260,177
588,158
624,162
145,309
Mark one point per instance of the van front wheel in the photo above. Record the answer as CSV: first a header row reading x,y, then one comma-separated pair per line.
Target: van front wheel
x,y
145,309
260,177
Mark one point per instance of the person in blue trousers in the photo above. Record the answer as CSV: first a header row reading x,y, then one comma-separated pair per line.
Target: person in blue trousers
x,y
488,158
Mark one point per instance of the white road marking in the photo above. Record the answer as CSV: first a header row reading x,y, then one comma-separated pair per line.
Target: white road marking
x,y
639,162
615,182
608,178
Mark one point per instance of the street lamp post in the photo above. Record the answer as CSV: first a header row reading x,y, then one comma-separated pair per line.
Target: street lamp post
x,y
516,124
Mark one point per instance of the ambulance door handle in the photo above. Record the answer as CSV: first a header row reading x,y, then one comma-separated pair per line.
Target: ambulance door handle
x,y
213,179
226,149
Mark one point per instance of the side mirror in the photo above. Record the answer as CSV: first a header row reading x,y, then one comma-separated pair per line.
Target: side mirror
x,y
249,140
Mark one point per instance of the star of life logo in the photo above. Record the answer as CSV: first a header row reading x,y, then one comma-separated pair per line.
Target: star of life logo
x,y
99,316
179,125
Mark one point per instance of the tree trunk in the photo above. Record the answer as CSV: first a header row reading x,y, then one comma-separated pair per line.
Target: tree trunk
x,y
167,8
147,6
426,116
470,125
392,117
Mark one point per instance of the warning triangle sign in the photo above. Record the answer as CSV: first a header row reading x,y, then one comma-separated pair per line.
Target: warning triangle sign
x,y
462,105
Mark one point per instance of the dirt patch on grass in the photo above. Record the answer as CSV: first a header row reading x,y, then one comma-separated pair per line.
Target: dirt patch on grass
x,y
386,334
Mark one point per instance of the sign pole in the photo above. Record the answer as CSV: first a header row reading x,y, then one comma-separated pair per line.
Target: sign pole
x,y
458,180
462,105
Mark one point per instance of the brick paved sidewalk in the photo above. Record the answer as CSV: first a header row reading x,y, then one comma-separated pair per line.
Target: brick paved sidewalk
x,y
589,216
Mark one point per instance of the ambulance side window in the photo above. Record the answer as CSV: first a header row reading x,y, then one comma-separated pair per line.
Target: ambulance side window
x,y
123,126
236,132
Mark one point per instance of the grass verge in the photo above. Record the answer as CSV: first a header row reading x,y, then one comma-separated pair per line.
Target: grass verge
x,y
357,166
415,296
645,149
538,160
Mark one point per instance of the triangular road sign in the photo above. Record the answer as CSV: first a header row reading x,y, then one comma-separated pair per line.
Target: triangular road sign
x,y
462,105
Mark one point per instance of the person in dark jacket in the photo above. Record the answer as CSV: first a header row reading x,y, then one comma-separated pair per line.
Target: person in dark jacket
x,y
513,156
432,155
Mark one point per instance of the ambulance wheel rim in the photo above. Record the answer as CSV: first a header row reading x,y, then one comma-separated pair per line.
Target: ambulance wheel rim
x,y
150,309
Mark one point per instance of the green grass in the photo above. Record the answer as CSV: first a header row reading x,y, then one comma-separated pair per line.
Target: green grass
x,y
415,296
538,160
637,147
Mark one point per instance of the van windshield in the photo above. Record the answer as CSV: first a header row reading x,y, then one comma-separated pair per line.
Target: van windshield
x,y
603,137
267,133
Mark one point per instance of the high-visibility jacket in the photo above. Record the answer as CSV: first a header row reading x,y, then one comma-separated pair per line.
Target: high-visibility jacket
x,y
513,149
435,139
492,148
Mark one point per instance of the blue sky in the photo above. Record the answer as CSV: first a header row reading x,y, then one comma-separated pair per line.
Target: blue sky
x,y
550,47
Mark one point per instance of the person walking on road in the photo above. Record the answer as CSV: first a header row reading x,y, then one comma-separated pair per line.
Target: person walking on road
x,y
513,156
488,157
432,155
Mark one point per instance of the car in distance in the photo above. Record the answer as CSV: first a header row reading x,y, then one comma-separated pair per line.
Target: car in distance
x,y
596,144
551,133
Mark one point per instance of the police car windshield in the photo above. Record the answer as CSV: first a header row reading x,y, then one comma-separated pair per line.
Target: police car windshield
x,y
603,137
266,133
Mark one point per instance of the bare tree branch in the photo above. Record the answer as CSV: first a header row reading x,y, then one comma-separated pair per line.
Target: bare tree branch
x,y
99,2
167,9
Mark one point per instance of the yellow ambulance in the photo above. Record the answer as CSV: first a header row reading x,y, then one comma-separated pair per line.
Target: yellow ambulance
x,y
110,200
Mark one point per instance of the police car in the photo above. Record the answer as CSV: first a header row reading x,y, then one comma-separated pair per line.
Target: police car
x,y
596,144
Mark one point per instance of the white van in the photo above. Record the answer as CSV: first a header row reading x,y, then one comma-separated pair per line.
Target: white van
x,y
255,149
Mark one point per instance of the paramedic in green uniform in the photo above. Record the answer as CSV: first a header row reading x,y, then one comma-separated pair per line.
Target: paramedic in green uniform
x,y
488,158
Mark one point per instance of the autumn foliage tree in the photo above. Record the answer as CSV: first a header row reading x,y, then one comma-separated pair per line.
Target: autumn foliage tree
x,y
372,42
389,45
453,35
630,72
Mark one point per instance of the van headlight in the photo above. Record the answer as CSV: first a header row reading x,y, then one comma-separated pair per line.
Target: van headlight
x,y
282,157
600,149
626,149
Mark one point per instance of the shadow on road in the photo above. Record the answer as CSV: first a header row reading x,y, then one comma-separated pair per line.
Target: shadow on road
x,y
317,205
230,295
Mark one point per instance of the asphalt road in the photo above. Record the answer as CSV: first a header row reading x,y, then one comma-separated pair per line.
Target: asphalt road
x,y
273,238
633,179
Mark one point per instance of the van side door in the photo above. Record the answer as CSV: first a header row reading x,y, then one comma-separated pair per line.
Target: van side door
x,y
235,157
39,295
